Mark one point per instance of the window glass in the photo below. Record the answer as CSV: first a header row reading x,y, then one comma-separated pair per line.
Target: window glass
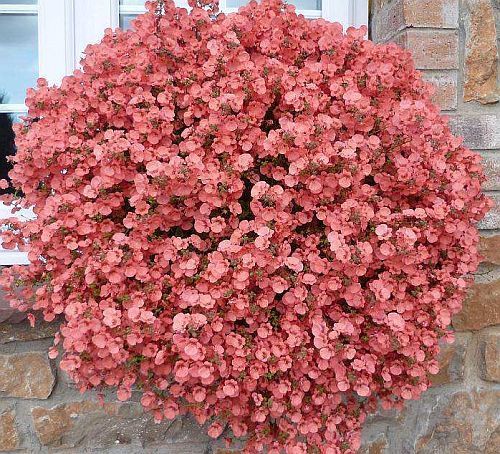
x,y
126,15
18,55
300,4
18,69
18,2
125,20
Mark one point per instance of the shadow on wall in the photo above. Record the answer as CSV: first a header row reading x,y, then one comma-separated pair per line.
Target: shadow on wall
x,y
7,145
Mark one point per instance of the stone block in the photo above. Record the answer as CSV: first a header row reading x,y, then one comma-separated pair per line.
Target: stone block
x,y
431,49
397,15
466,423
490,357
492,219
451,362
445,85
87,424
489,247
10,332
491,164
9,437
480,132
481,309
26,376
481,52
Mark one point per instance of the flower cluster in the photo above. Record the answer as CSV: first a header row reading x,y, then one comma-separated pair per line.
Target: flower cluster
x,y
254,218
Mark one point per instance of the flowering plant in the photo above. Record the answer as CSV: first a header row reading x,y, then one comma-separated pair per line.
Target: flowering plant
x,y
253,218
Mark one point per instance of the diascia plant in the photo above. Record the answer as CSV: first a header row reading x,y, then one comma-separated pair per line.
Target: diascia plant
x,y
254,218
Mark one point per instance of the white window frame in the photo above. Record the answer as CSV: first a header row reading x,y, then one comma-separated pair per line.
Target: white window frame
x,y
66,27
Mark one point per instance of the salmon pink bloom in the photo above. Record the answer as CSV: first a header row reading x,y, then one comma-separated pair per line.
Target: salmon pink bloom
x,y
255,218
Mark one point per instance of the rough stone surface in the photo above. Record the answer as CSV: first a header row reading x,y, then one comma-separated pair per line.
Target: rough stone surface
x,y
481,308
489,247
399,14
9,438
377,446
26,375
446,89
438,50
481,53
68,425
451,362
490,357
480,131
87,424
466,424
7,313
492,219
10,332
493,445
491,164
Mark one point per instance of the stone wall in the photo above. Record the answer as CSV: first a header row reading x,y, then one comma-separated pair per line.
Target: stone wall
x,y
455,44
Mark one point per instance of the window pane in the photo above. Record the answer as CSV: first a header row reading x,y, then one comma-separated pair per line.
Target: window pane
x,y
18,2
18,55
7,147
125,20
300,4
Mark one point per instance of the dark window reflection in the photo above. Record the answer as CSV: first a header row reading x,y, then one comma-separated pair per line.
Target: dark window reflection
x,y
7,146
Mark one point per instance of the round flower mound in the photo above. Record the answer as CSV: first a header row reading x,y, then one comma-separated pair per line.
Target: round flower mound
x,y
253,218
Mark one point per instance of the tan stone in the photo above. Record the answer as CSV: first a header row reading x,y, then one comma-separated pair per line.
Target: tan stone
x,y
489,246
481,308
493,445
396,15
63,425
26,375
445,95
378,446
480,131
431,13
431,49
492,219
9,438
87,424
465,425
490,357
491,164
481,53
451,362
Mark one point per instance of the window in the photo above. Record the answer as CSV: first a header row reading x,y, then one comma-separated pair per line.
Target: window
x,y
19,70
347,12
46,38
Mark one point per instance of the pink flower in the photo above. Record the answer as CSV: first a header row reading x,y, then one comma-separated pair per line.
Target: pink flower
x,y
294,264
111,317
383,231
395,321
231,388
